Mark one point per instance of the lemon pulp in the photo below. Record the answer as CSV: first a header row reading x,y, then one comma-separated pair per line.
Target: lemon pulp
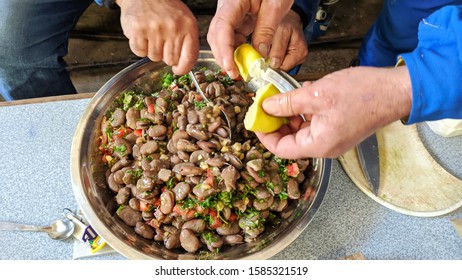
x,y
256,119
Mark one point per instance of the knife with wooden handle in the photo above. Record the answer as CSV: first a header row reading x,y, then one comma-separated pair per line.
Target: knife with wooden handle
x,y
368,154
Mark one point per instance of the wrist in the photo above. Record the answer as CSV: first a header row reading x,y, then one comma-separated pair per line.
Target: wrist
x,y
301,15
401,86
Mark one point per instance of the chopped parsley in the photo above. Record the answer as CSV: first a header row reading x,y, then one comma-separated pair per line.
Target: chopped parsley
x,y
130,99
136,173
225,79
121,149
226,198
261,173
184,80
170,183
269,185
200,104
209,237
283,195
166,80
119,209
282,163
209,78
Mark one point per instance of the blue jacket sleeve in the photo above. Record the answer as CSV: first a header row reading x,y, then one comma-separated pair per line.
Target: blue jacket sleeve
x,y
435,67
306,9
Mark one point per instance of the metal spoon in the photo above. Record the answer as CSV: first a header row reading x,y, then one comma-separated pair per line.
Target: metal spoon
x,y
223,113
59,229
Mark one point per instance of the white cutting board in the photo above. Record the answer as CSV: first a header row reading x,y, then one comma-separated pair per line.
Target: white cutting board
x,y
411,181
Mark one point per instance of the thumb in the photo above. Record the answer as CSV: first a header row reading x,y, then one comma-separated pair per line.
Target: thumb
x,y
292,103
269,17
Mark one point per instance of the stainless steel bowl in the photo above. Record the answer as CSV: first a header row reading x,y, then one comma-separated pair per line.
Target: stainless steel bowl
x,y
98,205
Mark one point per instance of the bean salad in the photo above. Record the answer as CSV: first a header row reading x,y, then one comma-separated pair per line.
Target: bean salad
x,y
176,176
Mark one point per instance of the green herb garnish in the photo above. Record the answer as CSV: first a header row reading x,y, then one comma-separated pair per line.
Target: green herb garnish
x,y
200,104
166,80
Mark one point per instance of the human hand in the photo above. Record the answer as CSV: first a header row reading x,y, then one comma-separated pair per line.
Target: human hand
x,y
161,30
237,19
289,47
341,110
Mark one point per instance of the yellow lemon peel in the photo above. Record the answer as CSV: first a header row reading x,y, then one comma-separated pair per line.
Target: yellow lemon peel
x,y
245,57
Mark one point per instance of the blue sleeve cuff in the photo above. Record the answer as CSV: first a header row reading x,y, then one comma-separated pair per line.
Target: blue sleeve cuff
x,y
435,67
110,4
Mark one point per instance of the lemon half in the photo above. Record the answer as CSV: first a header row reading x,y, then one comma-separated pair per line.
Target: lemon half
x,y
245,57
256,119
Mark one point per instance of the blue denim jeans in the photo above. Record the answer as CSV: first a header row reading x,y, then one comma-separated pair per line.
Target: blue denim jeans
x,y
33,41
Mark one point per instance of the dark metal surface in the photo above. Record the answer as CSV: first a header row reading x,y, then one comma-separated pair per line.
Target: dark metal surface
x,y
368,154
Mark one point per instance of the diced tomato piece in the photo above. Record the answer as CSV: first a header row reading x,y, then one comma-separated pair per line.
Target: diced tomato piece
x,y
216,223
145,207
121,132
197,97
293,170
157,202
190,214
185,213
213,213
232,218
138,132
151,108
177,209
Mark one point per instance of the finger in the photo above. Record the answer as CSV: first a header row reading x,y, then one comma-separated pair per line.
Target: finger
x,y
282,145
269,17
139,46
297,102
155,48
221,34
296,52
295,123
222,46
188,56
279,48
169,52
247,26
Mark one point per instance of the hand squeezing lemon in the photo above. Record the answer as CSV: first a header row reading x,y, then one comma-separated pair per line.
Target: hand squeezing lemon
x,y
256,119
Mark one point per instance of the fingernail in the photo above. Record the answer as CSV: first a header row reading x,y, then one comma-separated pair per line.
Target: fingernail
x,y
275,62
270,106
233,74
263,49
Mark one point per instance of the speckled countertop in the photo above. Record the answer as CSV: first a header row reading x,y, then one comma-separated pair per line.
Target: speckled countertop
x,y
35,186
